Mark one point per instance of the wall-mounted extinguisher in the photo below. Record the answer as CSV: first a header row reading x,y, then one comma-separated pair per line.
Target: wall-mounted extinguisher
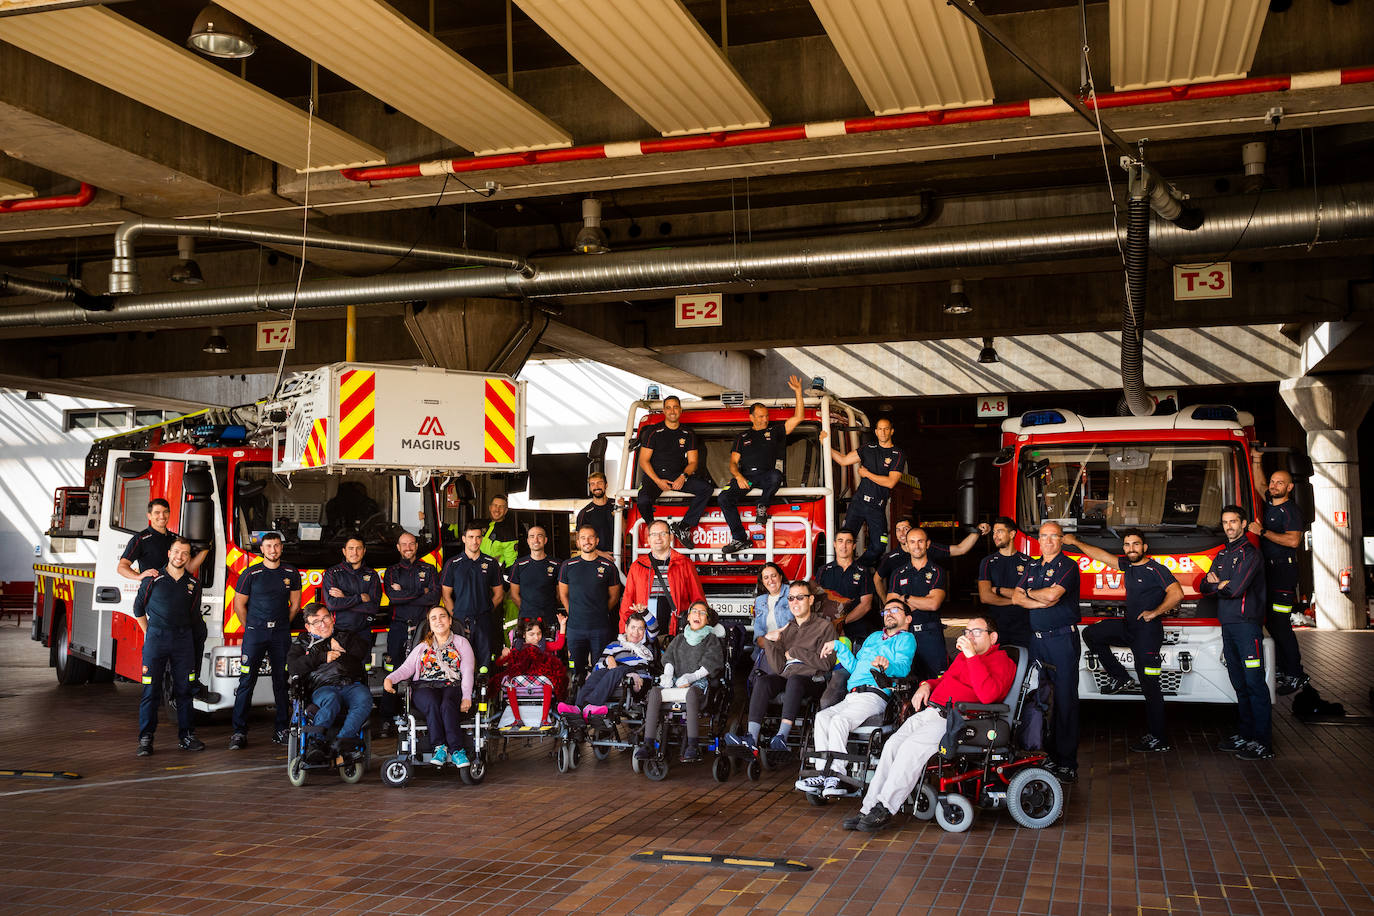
x,y
1345,580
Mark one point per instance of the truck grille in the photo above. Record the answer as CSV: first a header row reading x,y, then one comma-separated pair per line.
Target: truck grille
x,y
1168,681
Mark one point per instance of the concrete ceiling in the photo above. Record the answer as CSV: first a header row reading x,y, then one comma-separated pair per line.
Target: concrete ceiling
x,y
58,129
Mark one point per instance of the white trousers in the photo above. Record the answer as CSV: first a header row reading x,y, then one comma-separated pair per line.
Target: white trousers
x,y
833,724
905,756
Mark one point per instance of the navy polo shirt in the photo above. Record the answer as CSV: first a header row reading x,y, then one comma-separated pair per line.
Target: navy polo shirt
x,y
1281,519
760,449
910,582
892,561
472,582
269,594
538,581
412,590
1013,623
602,518
1145,588
670,447
878,460
589,591
168,603
853,582
148,549
1062,571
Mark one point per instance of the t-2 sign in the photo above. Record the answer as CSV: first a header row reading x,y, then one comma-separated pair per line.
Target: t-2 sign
x,y
276,335
1202,281
702,310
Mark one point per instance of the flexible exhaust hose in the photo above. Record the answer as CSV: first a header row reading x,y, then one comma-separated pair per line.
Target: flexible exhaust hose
x,y
1133,314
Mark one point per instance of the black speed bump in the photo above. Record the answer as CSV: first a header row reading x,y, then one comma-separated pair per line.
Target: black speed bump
x,y
39,774
720,859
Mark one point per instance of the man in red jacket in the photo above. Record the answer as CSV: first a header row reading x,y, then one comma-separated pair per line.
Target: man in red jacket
x,y
980,673
660,585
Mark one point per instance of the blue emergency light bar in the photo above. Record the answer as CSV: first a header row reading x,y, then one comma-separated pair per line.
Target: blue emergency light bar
x,y
222,432
1042,418
1215,412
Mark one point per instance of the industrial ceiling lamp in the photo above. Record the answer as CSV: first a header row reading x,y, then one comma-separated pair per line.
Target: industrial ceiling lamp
x,y
186,270
215,343
219,33
591,239
988,354
956,303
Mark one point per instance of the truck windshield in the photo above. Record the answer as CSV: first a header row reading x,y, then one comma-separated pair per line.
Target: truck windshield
x,y
803,454
1166,487
318,512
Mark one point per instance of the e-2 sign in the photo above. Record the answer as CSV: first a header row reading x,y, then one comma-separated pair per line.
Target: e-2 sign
x,y
701,310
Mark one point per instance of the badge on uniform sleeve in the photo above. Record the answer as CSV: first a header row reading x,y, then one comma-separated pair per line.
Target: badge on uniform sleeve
x,y
928,575
285,581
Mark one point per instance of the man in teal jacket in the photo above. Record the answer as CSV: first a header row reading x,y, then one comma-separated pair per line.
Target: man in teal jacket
x,y
889,651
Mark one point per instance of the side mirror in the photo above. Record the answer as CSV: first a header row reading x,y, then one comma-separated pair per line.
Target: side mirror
x,y
198,510
966,493
1299,466
134,468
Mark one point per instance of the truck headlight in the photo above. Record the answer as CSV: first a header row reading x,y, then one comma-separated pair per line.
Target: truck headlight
x,y
228,666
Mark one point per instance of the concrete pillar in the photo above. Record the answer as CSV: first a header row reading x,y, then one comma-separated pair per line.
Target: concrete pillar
x,y
1330,408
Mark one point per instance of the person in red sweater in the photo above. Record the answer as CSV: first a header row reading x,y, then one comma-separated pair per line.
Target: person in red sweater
x,y
661,585
980,673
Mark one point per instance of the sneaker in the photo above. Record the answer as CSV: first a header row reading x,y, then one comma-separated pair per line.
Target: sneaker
x,y
567,709
1064,774
875,820
734,546
642,752
811,785
237,741
682,533
761,516
1113,686
316,753
778,745
690,754
191,743
201,692
388,730
281,736
746,740
1149,744
460,759
440,755
1253,750
1285,684
145,746
589,711
833,789
853,821
1232,744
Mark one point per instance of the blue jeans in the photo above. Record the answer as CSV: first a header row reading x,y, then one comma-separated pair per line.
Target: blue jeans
x,y
1060,654
355,698
768,482
1242,646
160,649
273,643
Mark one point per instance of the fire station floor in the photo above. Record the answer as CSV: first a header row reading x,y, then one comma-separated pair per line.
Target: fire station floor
x,y
1192,831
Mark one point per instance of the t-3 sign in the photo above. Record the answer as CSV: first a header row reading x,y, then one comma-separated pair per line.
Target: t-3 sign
x,y
702,310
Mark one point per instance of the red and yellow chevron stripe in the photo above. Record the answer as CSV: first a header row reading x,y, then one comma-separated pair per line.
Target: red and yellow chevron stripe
x,y
500,425
316,449
357,414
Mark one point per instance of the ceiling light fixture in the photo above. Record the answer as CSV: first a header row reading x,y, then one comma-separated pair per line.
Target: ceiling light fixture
x,y
186,269
215,343
956,303
591,238
988,354
219,33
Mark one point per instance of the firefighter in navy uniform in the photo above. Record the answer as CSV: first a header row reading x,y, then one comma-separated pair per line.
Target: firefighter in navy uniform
x,y
267,596
1151,592
1049,590
895,558
1237,581
148,551
668,460
923,586
411,587
472,589
534,581
600,514
754,461
998,574
881,465
1279,529
853,582
167,602
352,591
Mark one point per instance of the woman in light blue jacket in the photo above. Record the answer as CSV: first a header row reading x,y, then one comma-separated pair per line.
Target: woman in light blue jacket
x,y
770,607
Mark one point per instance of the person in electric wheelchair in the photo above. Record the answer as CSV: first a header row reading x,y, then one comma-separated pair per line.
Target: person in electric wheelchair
x,y
443,669
981,673
628,658
792,667
327,675
693,662
884,656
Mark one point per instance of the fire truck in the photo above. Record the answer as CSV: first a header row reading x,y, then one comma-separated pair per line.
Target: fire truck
x,y
798,533
348,449
1167,475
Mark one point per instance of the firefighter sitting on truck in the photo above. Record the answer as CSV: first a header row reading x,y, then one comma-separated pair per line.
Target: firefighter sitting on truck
x,y
668,460
168,600
330,665
754,461
148,549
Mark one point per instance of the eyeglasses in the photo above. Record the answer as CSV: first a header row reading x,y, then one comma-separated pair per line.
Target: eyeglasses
x,y
797,597
975,632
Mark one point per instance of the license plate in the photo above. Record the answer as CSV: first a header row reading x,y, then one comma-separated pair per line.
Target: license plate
x,y
1127,657
733,607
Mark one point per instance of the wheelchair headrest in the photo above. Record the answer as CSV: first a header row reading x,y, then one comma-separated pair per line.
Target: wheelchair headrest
x,y
1022,659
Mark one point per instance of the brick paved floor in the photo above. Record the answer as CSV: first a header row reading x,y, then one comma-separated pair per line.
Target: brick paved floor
x,y
219,833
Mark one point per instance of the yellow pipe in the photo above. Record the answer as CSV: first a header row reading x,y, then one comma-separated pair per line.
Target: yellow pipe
x,y
351,335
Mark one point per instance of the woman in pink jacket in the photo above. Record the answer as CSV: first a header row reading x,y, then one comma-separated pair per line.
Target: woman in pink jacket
x,y
442,668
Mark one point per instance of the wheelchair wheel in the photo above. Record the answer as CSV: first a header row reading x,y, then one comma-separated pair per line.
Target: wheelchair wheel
x,y
636,765
352,771
396,772
817,799
600,752
763,760
958,818
754,771
924,805
720,768
563,756
656,768
295,771
476,771
1035,798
